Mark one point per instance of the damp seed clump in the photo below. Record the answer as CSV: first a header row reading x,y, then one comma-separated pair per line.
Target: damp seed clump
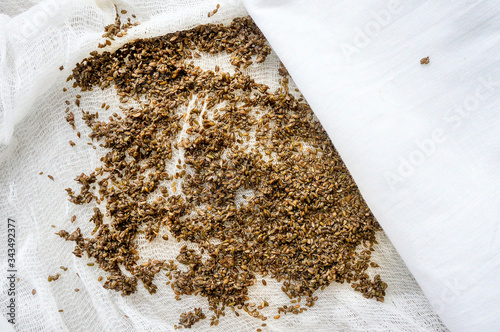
x,y
305,225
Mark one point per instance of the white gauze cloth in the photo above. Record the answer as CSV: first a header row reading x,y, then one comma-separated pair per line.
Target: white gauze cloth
x,y
37,37
422,141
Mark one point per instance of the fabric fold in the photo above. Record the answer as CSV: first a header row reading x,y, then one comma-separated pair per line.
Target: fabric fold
x,y
421,140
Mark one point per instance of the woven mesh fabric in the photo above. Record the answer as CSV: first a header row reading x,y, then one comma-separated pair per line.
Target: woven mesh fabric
x,y
39,37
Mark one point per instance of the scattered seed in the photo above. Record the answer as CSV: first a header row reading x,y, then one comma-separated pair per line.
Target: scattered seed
x,y
190,318
305,208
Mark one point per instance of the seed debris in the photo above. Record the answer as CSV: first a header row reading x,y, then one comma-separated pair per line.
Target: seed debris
x,y
53,277
190,318
213,12
303,225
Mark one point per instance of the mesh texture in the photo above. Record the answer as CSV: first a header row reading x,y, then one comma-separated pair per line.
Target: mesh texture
x,y
37,38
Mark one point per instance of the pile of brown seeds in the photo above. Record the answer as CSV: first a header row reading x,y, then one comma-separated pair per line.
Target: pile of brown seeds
x,y
258,187
190,318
